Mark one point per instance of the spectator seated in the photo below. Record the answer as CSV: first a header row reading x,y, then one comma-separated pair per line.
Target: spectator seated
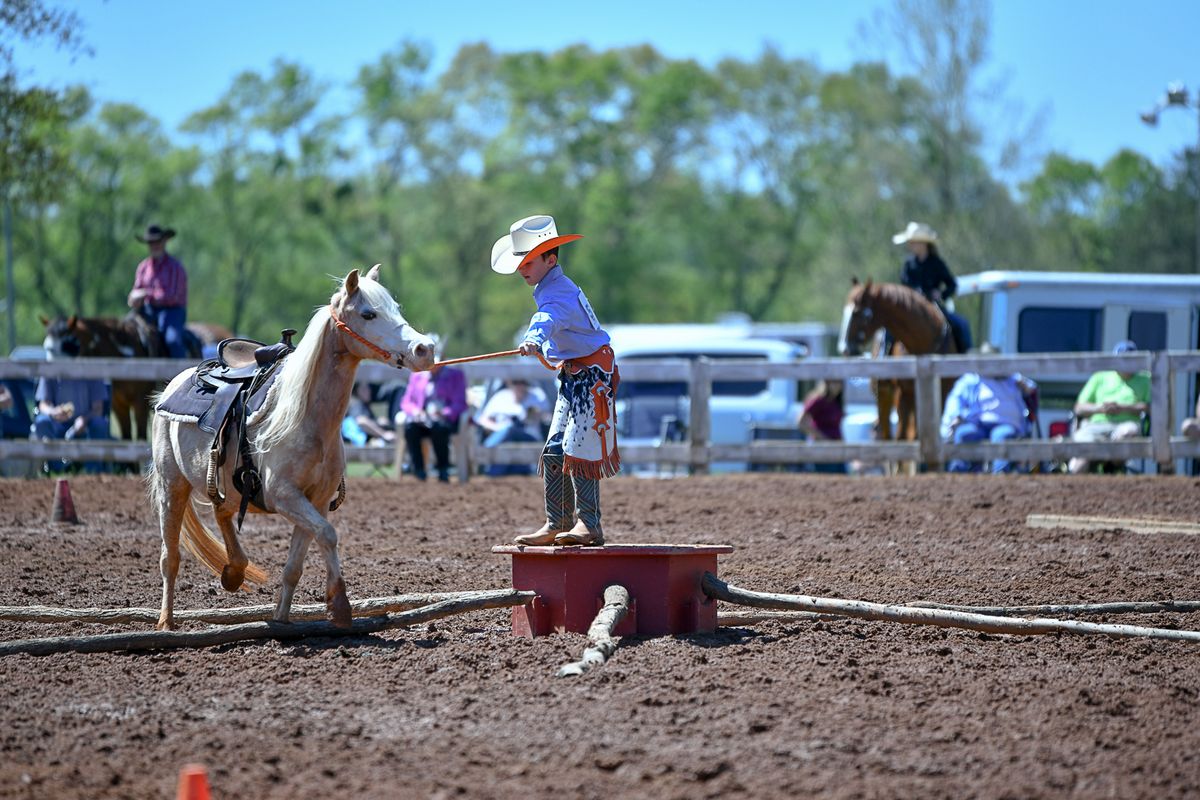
x,y
992,407
15,419
71,409
821,420
516,413
360,426
1191,426
433,404
1111,407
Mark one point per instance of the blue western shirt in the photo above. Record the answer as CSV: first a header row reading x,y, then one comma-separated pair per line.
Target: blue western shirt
x,y
989,400
565,325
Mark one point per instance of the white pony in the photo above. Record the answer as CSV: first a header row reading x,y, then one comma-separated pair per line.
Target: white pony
x,y
296,436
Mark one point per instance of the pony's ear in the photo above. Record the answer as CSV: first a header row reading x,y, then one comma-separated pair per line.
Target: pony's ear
x,y
867,285
373,273
854,280
71,321
350,285
45,322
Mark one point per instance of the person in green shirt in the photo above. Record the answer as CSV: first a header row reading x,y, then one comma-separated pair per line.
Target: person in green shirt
x,y
1111,406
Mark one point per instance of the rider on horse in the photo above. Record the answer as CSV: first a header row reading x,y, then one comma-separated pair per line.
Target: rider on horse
x,y
925,272
160,291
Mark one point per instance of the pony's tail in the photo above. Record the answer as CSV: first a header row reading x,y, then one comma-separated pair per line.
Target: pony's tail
x,y
209,549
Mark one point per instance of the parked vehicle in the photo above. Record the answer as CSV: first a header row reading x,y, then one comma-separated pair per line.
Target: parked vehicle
x,y
652,412
1070,312
812,339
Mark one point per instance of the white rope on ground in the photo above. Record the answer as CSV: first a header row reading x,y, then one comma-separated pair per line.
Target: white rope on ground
x,y
616,606
367,607
716,588
165,640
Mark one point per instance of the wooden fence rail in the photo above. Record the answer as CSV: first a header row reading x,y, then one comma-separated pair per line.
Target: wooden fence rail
x,y
698,452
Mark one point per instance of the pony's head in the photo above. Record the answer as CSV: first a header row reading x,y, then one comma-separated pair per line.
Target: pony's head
x,y
66,336
372,327
859,320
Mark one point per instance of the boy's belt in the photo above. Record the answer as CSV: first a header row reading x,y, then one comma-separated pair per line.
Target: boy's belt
x,y
604,358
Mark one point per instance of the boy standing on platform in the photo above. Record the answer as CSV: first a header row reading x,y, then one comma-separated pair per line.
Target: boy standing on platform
x,y
582,444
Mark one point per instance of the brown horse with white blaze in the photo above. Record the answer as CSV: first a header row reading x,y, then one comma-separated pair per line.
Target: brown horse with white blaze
x,y
918,327
297,443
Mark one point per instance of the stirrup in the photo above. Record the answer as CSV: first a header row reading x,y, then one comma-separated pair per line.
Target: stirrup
x,y
211,485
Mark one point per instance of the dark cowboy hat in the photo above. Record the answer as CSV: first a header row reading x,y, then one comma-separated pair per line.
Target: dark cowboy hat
x,y
154,233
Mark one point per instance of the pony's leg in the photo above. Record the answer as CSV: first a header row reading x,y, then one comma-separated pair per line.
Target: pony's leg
x,y
297,509
234,571
292,571
170,496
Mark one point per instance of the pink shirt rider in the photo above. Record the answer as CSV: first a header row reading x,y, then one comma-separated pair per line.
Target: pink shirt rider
x,y
164,281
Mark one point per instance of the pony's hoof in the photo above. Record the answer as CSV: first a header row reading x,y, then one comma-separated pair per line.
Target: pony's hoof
x,y
231,580
339,607
164,624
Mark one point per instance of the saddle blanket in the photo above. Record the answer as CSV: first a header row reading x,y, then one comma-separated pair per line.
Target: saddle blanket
x,y
197,402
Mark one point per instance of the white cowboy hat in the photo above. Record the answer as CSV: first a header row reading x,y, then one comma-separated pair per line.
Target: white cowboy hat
x,y
916,232
527,238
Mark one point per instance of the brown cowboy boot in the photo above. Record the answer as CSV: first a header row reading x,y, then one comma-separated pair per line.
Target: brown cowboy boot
x,y
560,504
587,531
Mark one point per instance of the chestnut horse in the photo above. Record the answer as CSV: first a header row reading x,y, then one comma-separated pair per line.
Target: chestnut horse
x,y
917,326
297,443
132,336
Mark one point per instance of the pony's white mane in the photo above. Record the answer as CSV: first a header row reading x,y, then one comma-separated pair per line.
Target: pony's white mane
x,y
287,405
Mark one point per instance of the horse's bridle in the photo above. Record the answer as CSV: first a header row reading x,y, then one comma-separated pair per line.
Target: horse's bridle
x,y
863,312
386,355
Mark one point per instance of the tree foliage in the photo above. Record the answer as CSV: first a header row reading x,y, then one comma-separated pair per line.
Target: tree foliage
x,y
753,185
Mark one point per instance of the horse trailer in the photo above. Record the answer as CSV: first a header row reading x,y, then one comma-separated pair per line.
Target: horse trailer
x,y
1081,312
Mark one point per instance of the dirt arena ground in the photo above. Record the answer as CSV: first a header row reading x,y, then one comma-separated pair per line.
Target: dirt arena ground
x,y
460,708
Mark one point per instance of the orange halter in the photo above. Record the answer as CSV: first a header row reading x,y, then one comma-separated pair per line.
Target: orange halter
x,y
341,326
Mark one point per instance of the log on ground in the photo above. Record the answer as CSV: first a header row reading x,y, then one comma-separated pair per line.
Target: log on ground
x,y
718,589
1145,607
165,640
616,606
366,607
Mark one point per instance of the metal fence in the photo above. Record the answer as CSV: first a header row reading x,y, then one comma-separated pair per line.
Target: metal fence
x,y
698,452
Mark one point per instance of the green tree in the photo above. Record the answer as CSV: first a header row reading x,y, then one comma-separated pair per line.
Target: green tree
x,y
1064,199
32,123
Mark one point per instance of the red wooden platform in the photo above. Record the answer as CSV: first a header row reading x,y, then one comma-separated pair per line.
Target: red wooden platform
x,y
663,582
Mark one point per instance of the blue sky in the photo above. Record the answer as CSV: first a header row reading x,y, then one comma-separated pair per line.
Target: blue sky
x,y
1088,67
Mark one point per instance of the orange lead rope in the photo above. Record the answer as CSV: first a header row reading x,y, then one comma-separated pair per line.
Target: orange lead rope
x,y
547,364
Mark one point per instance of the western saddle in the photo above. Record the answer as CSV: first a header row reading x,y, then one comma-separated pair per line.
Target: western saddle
x,y
226,391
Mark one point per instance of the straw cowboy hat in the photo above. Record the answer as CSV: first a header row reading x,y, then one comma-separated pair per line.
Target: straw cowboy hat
x,y
916,232
154,233
526,239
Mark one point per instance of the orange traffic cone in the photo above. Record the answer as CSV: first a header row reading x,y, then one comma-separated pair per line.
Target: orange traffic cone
x,y
193,783
64,508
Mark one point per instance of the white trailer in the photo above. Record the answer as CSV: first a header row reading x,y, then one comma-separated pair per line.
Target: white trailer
x,y
1069,312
